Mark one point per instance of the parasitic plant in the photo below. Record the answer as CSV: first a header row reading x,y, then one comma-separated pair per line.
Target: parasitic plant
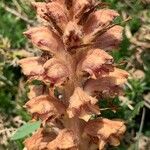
x,y
76,71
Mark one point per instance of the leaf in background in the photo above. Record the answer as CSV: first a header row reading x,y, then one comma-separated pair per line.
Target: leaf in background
x,y
25,130
136,110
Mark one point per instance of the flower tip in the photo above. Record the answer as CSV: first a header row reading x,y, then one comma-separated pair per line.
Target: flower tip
x,y
27,34
34,4
25,106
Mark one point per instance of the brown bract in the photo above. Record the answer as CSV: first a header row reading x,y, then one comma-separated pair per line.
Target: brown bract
x,y
72,35
53,71
99,19
112,38
45,107
107,85
56,71
64,140
39,140
96,62
82,105
76,71
45,39
32,66
107,131
80,6
58,13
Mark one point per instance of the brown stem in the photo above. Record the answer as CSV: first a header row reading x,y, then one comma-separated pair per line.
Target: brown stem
x,y
75,124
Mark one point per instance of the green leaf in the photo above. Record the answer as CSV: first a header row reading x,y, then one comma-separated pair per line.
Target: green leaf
x,y
136,110
25,130
37,82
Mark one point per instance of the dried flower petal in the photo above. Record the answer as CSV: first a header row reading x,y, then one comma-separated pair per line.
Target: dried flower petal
x,y
39,140
72,35
56,71
107,84
98,19
45,107
82,105
58,14
80,6
32,66
118,76
102,87
106,130
64,140
45,39
110,39
96,62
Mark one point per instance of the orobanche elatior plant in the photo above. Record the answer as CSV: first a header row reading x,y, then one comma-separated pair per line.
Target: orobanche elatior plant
x,y
76,73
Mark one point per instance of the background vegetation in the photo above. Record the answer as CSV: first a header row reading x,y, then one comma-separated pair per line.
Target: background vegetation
x,y
133,55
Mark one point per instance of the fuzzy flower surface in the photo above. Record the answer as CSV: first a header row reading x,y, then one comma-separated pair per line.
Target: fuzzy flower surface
x,y
76,71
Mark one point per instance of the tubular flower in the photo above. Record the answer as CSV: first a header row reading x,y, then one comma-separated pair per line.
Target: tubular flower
x,y
82,105
45,107
64,140
106,131
75,70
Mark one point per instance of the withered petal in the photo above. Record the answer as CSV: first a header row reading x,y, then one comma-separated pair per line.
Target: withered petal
x,y
118,76
45,107
72,34
110,39
32,66
45,39
80,6
98,19
106,130
82,105
108,84
114,141
64,140
56,71
102,87
96,63
39,140
58,13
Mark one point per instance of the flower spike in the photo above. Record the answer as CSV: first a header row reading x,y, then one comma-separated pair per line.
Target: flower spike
x,y
76,72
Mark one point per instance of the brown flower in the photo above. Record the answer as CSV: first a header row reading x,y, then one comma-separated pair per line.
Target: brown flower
x,y
108,85
99,19
32,66
80,6
39,140
64,140
107,131
55,71
112,38
45,39
45,107
96,62
57,13
82,105
72,35
118,76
